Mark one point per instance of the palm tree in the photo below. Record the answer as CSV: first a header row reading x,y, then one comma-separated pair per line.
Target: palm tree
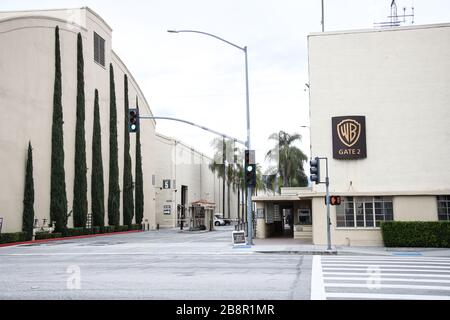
x,y
290,160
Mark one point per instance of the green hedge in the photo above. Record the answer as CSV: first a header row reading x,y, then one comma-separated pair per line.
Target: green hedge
x,y
45,235
76,232
135,227
107,229
122,229
416,234
13,237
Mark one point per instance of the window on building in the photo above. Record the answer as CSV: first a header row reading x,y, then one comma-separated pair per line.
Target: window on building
x,y
364,212
444,208
99,49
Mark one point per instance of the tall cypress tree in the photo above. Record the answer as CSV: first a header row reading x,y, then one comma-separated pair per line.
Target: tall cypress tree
x,y
114,189
80,181
139,197
97,183
28,198
128,202
58,197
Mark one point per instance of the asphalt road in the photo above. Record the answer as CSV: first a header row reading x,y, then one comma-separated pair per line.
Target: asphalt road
x,y
161,264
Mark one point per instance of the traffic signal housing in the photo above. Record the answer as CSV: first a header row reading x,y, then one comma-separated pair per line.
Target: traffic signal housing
x,y
334,200
250,169
133,120
315,170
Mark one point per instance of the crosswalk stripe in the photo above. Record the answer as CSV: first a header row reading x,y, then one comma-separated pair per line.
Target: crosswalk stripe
x,y
388,262
325,274
385,258
386,286
386,296
385,269
317,285
386,279
326,265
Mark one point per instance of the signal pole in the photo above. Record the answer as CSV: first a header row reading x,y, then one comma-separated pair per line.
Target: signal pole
x,y
315,177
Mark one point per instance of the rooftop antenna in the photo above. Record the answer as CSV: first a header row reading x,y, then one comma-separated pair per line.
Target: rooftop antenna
x,y
395,19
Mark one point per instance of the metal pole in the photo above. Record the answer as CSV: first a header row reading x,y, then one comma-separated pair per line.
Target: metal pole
x,y
328,209
323,17
249,189
224,160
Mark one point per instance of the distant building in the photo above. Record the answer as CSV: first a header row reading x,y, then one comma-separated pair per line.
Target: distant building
x,y
184,178
380,112
27,69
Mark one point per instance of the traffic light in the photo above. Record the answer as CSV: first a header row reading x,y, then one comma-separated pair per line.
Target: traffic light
x,y
334,200
315,170
250,169
133,120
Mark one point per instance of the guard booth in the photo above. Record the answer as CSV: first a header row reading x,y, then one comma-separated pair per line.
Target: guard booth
x,y
285,215
202,215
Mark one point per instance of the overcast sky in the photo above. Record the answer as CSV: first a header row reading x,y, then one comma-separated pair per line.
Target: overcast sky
x,y
201,79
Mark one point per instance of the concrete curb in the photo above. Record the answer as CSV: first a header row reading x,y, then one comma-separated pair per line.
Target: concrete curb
x,y
67,238
300,252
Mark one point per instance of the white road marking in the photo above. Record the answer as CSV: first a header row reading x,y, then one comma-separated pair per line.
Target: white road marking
x,y
386,262
373,296
386,286
421,275
330,265
317,285
387,279
384,269
382,274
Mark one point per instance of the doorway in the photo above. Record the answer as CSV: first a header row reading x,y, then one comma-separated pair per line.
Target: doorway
x,y
183,206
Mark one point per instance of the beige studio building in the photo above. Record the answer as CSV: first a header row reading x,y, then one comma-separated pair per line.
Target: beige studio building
x,y
380,113
27,73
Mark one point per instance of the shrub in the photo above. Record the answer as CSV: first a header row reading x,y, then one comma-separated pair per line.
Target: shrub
x,y
107,229
13,237
45,235
135,227
122,229
76,232
416,234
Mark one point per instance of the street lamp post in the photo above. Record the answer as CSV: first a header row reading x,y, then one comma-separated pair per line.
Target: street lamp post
x,y
248,144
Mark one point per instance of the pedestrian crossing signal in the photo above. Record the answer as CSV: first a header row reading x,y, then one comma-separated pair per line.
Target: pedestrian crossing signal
x,y
334,201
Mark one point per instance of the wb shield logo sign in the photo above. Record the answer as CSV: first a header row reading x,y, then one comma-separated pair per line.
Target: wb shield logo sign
x,y
349,138
349,132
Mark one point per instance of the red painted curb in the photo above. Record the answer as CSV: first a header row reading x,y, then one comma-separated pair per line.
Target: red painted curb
x,y
67,238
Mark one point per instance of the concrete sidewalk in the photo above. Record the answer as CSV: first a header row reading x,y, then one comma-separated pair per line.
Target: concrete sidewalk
x,y
290,246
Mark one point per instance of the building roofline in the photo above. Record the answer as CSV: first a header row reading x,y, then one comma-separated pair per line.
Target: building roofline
x,y
43,18
393,29
130,75
176,141
32,13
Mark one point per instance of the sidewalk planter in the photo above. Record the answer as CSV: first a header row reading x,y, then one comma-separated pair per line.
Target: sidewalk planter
x,y
416,234
13,237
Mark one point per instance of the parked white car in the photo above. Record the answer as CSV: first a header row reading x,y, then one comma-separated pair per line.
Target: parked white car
x,y
218,220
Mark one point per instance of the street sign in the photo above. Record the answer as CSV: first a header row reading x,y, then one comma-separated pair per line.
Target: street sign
x,y
167,210
239,238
